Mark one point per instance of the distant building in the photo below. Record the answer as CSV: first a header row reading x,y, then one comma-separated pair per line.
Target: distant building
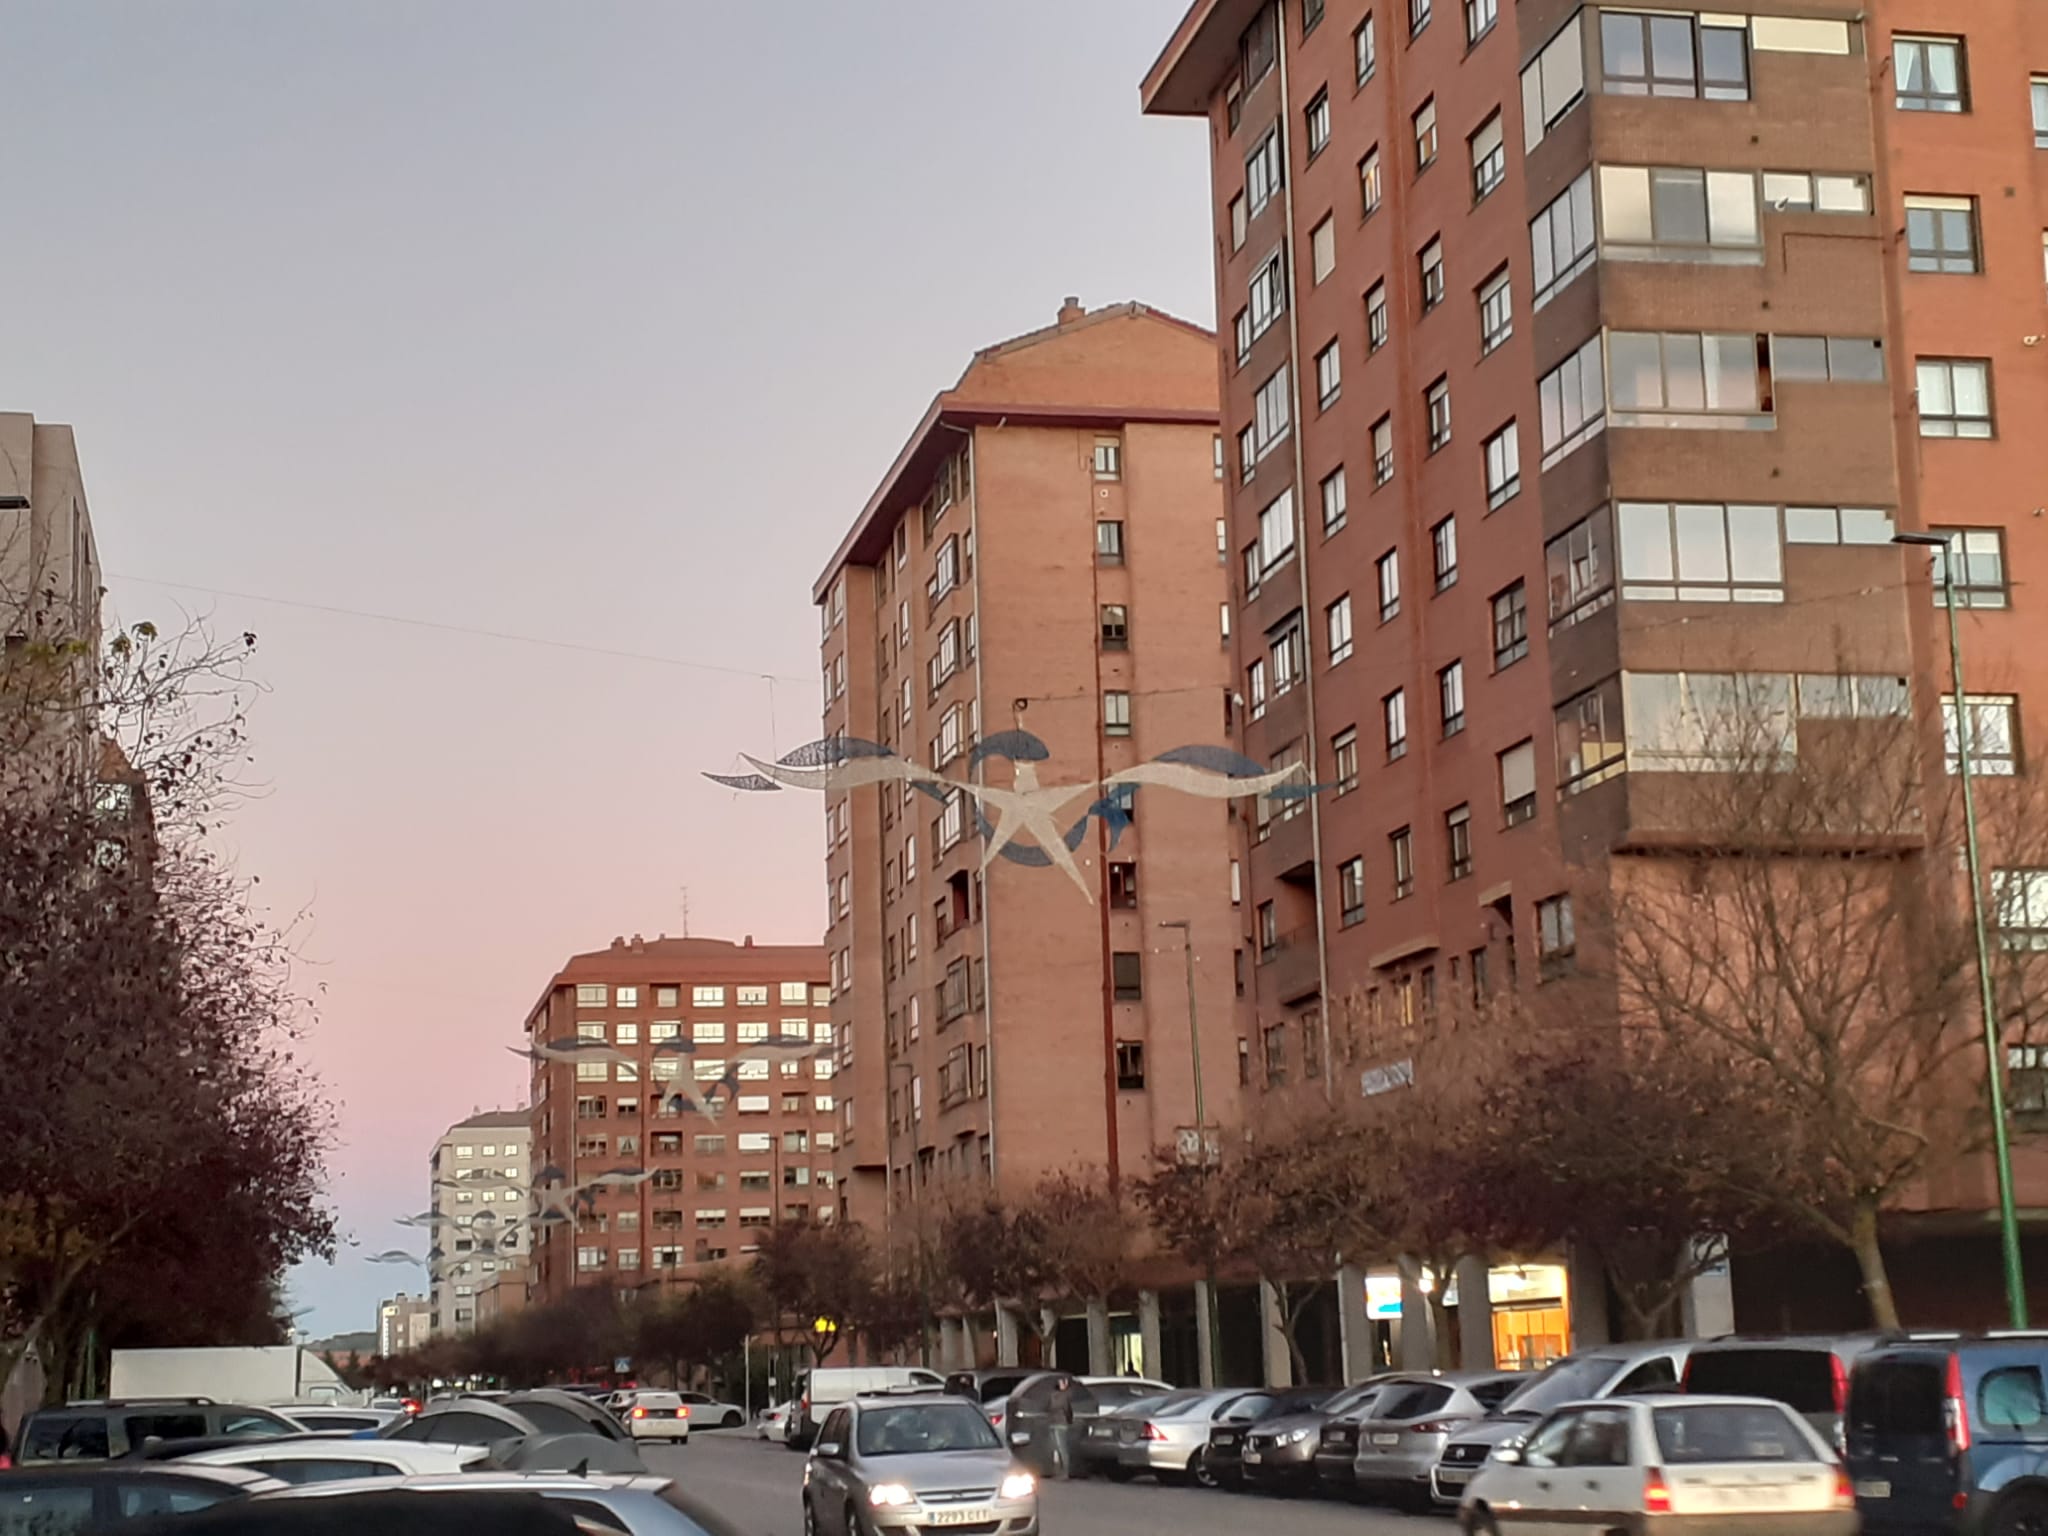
x,y
49,603
403,1323
477,1181
501,1296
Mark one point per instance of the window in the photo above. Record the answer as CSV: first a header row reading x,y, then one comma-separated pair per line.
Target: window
x,y
1503,466
1480,15
1418,16
1694,552
1270,418
1590,745
1123,884
1436,401
1276,532
1553,83
1458,841
1116,627
1840,359
1941,235
1697,722
1424,122
1927,74
1109,458
707,997
1316,119
1579,567
1450,699
1955,396
1269,929
1329,377
1510,626
1364,53
1394,719
1376,317
1401,852
1644,55
1266,301
1109,542
1496,312
1369,183
1233,105
1797,192
2037,88
1322,247
1335,502
1126,975
1561,239
1518,783
1262,172
1255,689
1311,16
1389,568
1430,261
1555,937
1572,401
1443,549
1286,655
1979,568
1653,211
1994,733
1237,223
1351,890
1338,617
1383,450
1489,152
1130,1065
1673,374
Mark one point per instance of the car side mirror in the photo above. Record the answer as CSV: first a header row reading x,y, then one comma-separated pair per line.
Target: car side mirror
x,y
1507,1455
1020,1437
829,1449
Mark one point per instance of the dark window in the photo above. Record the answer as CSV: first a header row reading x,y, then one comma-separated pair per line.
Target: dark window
x,y
1898,1399
1116,627
306,1470
168,1496
1311,15
1652,1375
1510,627
1127,974
61,1439
1123,884
1719,1433
1130,1064
1802,1379
1412,1402
1644,55
166,1426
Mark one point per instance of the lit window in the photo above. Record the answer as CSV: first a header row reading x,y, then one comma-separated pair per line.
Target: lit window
x,y
1369,182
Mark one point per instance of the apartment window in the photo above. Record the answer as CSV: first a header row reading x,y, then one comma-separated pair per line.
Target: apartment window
x,y
1335,502
1263,170
1443,550
1979,567
1518,783
1329,377
1233,106
1270,413
1383,450
1126,975
1364,51
1224,610
1994,733
1927,74
2020,899
1553,82
1369,183
1579,567
1695,552
1480,15
1394,721
1941,235
1388,567
1643,55
1821,359
1109,542
1376,317
1269,929
1130,1065
1238,223
1798,192
1351,890
1436,401
1123,884
1503,452
1561,239
1496,312
1489,152
1266,301
1286,655
1418,16
1458,840
1255,689
1679,211
1276,532
1116,627
1344,759
1955,396
1430,261
1109,458
1401,854
1673,373
1424,122
1572,402
1555,936
1322,248
1316,119
1590,744
1450,699
1338,616
1510,626
1311,16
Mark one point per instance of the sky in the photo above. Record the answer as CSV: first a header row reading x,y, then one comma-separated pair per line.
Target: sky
x,y
593,322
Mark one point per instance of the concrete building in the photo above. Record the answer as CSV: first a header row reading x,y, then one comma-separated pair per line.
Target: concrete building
x,y
695,1088
500,1296
49,563
479,1175
403,1323
1633,337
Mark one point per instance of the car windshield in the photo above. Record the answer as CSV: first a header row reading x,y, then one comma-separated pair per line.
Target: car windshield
x,y
1723,1432
1117,1394
917,1429
1180,1405
1351,1401
1564,1381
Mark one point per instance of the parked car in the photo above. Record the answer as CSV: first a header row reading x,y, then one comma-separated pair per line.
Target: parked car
x,y
770,1423
1404,1432
1950,1435
326,1419
1665,1462
1280,1453
97,1431
558,1412
659,1416
1606,1370
1225,1461
56,1500
708,1412
1808,1375
517,1441
1336,1442
631,1506
828,1386
1092,1447
1050,1399
1170,1438
902,1464
986,1386
324,1460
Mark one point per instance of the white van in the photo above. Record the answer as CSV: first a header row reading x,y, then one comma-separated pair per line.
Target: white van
x,y
822,1389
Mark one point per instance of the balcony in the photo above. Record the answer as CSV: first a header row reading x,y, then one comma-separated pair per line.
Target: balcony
x,y
1288,969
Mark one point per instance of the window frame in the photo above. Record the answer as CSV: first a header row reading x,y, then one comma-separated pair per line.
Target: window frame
x,y
1931,99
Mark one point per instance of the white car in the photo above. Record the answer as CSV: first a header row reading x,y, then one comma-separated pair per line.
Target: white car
x,y
325,1460
772,1422
657,1416
1666,1463
707,1412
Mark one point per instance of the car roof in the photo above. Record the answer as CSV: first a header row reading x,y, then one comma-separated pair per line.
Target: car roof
x,y
322,1448
1803,1343
73,1472
460,1482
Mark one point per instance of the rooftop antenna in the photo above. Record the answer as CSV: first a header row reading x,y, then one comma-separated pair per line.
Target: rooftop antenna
x,y
686,911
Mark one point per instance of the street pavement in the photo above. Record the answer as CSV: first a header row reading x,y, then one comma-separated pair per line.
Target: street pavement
x,y
758,1486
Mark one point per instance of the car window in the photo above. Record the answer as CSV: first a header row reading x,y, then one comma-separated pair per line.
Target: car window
x,y
1653,1375
1899,1398
1582,1376
923,1428
1490,1394
1353,1400
2010,1398
336,1420
164,1426
51,1439
1035,1397
467,1429
835,1426
306,1469
1725,1432
553,1419
254,1425
1411,1401
1248,1406
47,1511
152,1496
592,1515
1546,1445
1601,1439
1082,1397
1802,1379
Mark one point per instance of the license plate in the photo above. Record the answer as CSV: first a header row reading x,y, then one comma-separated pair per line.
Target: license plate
x,y
1452,1478
1224,1442
968,1516
1386,1439
1251,1455
1873,1488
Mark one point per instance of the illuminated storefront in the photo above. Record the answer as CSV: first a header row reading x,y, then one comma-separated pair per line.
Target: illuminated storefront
x,y
1531,1310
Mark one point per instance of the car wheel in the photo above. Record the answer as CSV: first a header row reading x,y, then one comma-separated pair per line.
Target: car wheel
x,y
1480,1523
2023,1514
1198,1468
732,1420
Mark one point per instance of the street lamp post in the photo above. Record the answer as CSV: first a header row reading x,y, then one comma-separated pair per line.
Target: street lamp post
x,y
1994,1051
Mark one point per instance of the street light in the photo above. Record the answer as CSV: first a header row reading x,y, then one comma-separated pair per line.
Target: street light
x,y
1994,1050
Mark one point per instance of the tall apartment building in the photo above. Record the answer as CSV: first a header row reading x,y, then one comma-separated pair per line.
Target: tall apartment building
x,y
478,1177
698,1089
1042,557
1580,359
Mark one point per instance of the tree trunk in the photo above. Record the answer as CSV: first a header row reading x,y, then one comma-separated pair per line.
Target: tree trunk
x,y
1877,1283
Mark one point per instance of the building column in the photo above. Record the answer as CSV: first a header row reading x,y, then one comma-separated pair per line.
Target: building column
x,y
1588,1300
1049,1329
1150,1355
1098,1338
1354,1325
1205,1333
1273,1339
1709,1307
1416,1350
949,1343
1006,1335
1475,1314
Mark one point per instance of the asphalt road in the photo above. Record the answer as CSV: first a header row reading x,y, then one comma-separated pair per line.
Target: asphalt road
x,y
757,1486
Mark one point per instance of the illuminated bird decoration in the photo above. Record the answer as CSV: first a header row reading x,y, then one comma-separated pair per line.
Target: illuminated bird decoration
x,y
393,1256
572,1048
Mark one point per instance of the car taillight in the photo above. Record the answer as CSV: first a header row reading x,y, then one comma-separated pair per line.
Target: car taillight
x,y
683,1412
639,1413
1957,1409
1839,1373
1656,1495
1845,1491
411,1405
1154,1432
1434,1426
996,1419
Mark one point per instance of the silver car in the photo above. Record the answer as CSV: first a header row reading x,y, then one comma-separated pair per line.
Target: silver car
x,y
1403,1434
637,1506
905,1463
1169,1437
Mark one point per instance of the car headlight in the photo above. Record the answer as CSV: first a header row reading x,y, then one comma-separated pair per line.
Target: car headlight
x,y
1018,1485
1295,1437
890,1496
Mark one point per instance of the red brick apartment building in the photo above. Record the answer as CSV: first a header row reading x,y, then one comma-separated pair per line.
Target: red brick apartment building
x,y
679,1015
1571,351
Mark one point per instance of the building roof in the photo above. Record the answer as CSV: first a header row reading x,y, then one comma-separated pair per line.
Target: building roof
x,y
494,1119
1069,373
665,960
1202,50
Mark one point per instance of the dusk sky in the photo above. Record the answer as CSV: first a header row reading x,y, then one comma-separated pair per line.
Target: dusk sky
x,y
591,321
